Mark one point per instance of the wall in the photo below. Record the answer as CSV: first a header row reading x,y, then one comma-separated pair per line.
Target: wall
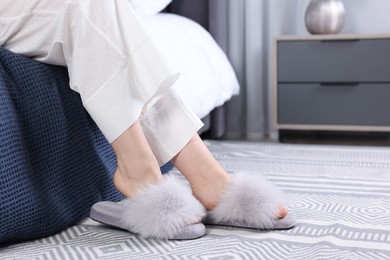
x,y
362,16
367,16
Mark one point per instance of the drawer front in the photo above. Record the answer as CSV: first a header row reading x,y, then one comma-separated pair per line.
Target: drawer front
x,y
363,104
334,60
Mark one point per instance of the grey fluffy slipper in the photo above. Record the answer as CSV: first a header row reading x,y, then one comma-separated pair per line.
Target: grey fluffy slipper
x,y
164,211
250,202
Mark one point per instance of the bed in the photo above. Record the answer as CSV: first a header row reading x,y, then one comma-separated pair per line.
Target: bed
x,y
50,146
207,79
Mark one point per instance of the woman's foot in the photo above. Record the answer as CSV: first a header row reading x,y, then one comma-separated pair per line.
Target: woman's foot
x,y
209,189
251,201
138,169
208,179
166,210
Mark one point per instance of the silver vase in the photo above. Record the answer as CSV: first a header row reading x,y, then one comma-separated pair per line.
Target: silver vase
x,y
325,16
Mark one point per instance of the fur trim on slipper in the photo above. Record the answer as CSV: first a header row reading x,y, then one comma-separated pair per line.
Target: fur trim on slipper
x,y
162,210
250,201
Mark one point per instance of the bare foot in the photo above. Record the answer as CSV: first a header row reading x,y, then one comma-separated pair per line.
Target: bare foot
x,y
208,179
138,167
209,192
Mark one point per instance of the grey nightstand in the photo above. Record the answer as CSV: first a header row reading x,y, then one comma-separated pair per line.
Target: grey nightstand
x,y
332,83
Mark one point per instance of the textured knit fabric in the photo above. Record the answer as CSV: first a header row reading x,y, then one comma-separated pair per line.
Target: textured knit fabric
x,y
54,162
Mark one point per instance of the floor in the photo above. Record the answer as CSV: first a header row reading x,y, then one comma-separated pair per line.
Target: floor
x,y
337,138
339,195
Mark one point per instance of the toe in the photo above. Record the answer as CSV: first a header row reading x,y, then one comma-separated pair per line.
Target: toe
x,y
282,213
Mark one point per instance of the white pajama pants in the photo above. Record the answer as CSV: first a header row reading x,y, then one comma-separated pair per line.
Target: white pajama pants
x,y
113,63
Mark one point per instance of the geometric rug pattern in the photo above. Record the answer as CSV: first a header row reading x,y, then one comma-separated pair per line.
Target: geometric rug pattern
x,y
340,196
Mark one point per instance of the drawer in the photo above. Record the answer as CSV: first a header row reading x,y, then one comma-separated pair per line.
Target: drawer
x,y
365,60
363,104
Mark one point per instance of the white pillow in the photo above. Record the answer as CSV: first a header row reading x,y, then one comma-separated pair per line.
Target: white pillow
x,y
149,7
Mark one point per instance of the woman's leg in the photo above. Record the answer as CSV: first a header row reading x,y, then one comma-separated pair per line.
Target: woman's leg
x,y
137,165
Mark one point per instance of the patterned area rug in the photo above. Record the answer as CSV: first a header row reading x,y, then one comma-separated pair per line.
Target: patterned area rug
x,y
340,196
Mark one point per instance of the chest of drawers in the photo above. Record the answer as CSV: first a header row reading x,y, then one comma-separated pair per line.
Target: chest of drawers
x,y
332,83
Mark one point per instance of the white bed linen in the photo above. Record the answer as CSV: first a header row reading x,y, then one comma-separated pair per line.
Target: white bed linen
x,y
149,7
207,77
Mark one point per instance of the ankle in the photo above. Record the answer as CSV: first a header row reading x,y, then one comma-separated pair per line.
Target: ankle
x,y
137,165
129,182
209,189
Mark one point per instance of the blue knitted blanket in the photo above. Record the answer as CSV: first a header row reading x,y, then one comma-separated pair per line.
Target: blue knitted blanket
x,y
54,162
